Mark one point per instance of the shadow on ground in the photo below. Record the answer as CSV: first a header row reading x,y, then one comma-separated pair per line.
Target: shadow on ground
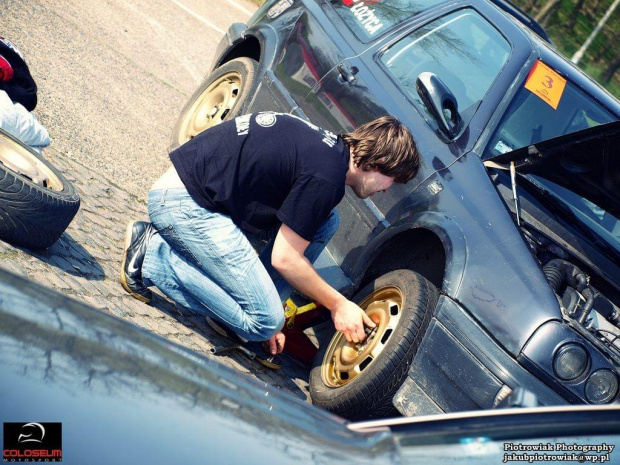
x,y
69,256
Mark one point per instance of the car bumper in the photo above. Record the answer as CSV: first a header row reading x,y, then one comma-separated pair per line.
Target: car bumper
x,y
460,367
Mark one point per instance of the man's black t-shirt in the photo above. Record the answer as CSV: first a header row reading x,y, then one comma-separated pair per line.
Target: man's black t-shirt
x,y
266,169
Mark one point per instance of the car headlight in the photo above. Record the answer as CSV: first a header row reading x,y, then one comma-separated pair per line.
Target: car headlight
x,y
601,387
570,362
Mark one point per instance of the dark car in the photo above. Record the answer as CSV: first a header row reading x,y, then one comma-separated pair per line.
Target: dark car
x,y
498,265
83,387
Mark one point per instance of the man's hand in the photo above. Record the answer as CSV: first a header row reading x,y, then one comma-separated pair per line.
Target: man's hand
x,y
276,343
350,319
288,258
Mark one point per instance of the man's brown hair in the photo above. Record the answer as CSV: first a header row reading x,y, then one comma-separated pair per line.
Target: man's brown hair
x,y
386,144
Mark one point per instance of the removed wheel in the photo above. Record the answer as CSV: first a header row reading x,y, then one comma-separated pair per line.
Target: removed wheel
x,y
37,203
219,98
358,381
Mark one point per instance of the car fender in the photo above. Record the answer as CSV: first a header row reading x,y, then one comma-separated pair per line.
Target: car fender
x,y
489,269
446,230
233,36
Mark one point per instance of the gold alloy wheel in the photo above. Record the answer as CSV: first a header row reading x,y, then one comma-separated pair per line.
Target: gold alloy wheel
x,y
343,360
21,161
212,106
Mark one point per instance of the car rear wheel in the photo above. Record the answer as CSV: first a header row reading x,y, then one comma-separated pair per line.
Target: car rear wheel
x,y
220,97
358,381
37,203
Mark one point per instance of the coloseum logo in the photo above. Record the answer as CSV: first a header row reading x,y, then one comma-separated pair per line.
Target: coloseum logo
x,y
32,442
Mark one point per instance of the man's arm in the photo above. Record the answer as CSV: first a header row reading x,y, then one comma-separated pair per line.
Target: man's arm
x,y
288,258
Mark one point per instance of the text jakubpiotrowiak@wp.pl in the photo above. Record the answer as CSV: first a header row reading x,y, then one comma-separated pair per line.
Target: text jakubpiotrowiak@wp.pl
x,y
557,452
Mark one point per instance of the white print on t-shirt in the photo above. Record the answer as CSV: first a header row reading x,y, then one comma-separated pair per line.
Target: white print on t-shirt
x,y
313,126
330,138
367,18
266,120
243,125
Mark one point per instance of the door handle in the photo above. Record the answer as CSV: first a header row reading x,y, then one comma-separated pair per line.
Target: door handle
x,y
347,73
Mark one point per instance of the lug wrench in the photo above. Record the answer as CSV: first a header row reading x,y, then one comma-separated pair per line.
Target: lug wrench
x,y
216,350
266,362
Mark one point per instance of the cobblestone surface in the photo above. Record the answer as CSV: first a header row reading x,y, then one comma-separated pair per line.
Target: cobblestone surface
x,y
84,264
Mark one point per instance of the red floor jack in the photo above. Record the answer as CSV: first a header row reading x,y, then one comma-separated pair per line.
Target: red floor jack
x,y
297,343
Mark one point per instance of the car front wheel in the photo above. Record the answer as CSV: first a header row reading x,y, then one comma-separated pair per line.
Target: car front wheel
x,y
220,97
358,381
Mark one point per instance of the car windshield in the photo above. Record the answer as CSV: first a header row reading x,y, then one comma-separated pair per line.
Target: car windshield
x,y
369,19
463,49
604,224
530,119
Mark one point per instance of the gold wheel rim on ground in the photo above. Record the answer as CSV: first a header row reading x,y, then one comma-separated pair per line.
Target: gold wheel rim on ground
x,y
20,160
212,106
344,361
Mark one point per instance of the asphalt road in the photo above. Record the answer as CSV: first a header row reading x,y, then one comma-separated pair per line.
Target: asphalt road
x,y
114,74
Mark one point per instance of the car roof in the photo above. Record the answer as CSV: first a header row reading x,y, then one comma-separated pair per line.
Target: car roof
x,y
524,18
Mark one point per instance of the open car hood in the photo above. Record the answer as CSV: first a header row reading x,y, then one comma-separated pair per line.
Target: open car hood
x,y
587,162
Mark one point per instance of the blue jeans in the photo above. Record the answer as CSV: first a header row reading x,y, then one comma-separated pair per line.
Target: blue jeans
x,y
203,261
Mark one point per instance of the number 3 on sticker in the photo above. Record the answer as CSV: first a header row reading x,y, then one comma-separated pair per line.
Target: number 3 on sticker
x,y
546,84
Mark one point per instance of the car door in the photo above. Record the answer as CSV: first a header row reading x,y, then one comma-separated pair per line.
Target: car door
x,y
474,49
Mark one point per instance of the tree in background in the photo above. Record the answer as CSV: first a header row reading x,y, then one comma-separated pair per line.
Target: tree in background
x,y
612,69
546,11
572,20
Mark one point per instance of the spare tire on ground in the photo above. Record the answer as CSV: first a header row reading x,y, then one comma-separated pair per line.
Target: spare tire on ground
x,y
37,202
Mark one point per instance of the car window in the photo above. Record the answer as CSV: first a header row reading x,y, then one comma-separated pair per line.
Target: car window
x,y
463,49
530,119
369,19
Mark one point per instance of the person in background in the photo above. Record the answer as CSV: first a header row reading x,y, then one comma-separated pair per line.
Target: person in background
x,y
22,124
18,97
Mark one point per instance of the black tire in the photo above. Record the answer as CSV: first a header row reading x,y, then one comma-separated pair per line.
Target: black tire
x,y
226,91
37,203
369,394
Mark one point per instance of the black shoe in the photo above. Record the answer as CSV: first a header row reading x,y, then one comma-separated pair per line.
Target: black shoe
x,y
136,240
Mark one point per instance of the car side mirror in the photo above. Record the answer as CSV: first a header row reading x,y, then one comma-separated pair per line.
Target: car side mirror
x,y
441,103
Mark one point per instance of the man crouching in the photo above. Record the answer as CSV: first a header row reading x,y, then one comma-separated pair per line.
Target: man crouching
x,y
265,179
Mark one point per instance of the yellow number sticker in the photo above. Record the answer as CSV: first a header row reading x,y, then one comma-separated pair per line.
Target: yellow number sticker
x,y
546,83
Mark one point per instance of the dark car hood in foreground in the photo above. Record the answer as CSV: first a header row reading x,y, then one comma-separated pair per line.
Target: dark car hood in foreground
x,y
586,162
126,396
